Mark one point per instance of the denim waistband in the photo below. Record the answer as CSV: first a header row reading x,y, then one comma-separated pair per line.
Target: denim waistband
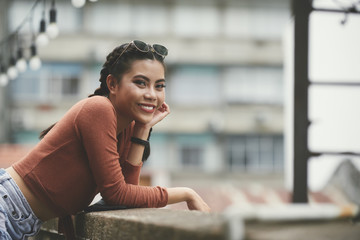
x,y
19,196
22,222
4,175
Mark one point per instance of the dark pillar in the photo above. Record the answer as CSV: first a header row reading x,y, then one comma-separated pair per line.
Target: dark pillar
x,y
301,11
4,95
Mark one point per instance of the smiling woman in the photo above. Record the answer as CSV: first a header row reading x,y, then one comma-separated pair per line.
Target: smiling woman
x,y
139,92
97,147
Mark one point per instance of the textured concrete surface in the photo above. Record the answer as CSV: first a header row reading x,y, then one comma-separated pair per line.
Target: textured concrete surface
x,y
150,224
166,224
310,230
144,224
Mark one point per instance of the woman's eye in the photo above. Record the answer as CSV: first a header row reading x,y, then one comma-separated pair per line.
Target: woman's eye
x,y
140,82
161,86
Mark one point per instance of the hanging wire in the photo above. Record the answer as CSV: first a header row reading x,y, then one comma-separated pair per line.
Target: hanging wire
x,y
44,9
21,25
341,8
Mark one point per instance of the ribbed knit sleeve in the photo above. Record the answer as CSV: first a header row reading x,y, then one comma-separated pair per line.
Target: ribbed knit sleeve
x,y
130,171
96,126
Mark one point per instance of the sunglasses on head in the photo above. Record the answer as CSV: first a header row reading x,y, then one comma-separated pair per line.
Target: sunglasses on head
x,y
144,47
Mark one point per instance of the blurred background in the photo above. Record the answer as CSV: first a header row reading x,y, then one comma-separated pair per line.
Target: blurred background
x,y
228,85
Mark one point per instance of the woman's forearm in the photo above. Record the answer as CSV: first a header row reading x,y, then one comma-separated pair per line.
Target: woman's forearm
x,y
178,194
137,150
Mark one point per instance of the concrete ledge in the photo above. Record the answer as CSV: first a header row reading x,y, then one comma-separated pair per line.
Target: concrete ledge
x,y
165,224
143,224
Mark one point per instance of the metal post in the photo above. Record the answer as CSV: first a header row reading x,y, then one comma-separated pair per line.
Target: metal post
x,y
301,10
4,95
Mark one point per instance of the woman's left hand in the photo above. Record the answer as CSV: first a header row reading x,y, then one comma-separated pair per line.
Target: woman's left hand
x,y
159,115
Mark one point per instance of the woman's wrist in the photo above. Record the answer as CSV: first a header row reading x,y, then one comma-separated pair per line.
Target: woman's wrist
x,y
179,194
141,131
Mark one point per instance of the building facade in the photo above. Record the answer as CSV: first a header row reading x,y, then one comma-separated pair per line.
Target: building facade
x,y
224,76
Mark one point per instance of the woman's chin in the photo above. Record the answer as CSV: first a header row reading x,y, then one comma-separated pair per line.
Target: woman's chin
x,y
143,120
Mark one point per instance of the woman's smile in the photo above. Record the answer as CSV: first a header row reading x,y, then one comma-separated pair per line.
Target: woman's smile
x,y
149,108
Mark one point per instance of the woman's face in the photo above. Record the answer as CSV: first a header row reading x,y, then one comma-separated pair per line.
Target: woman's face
x,y
141,91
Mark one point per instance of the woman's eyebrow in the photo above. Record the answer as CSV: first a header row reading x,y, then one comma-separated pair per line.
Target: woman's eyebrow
x,y
148,79
143,77
160,80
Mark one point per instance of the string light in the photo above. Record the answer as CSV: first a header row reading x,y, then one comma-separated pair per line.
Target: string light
x,y
21,64
12,71
52,30
3,76
35,62
78,3
42,39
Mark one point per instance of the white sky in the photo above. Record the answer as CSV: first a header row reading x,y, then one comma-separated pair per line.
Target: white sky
x,y
334,55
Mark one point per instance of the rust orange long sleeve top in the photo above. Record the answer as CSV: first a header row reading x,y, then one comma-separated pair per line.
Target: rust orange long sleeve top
x,y
80,157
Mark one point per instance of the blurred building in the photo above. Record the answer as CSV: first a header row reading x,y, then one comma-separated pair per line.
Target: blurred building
x,y
225,76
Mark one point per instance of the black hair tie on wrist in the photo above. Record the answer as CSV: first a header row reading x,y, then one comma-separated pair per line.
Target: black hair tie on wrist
x,y
144,143
140,141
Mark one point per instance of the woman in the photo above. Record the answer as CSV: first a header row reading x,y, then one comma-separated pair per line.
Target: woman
x,y
79,156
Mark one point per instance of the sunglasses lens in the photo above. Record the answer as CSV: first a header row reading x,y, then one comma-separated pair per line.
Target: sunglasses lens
x,y
160,49
141,46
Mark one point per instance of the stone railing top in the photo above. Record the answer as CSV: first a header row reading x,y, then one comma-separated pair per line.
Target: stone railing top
x,y
148,224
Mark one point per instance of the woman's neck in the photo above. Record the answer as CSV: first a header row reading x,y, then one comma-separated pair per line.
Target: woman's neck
x,y
122,122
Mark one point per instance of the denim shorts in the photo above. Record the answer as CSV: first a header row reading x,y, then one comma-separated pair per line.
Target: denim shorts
x,y
17,220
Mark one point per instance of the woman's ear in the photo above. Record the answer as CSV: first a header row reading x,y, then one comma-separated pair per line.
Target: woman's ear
x,y
111,82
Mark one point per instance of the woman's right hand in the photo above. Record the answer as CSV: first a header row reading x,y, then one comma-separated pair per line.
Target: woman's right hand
x,y
193,200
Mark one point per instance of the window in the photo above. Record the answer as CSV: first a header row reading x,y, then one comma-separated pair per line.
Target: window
x,y
192,149
53,83
258,22
191,156
195,85
192,20
70,86
100,15
256,152
253,85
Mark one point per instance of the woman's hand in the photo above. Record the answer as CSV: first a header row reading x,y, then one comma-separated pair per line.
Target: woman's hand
x,y
193,200
160,114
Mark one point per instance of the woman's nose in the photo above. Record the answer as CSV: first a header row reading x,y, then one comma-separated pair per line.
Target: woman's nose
x,y
150,94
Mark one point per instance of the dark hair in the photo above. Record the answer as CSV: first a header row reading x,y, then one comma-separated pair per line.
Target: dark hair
x,y
117,67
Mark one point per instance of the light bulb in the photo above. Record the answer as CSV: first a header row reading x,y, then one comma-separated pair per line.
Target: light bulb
x,y
35,63
3,79
78,3
42,40
21,65
52,30
12,72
